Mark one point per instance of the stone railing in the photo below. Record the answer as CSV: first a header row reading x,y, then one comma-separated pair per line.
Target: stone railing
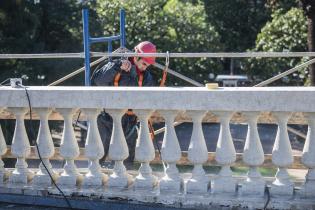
x,y
200,189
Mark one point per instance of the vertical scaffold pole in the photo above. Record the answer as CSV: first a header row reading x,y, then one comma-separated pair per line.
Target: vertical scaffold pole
x,y
122,28
86,39
109,49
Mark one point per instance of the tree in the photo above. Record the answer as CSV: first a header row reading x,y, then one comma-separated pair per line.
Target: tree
x,y
178,26
286,32
309,10
281,6
56,26
46,27
238,22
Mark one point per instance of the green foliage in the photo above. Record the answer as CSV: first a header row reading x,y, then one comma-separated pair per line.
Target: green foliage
x,y
281,6
190,32
50,26
237,21
286,32
174,26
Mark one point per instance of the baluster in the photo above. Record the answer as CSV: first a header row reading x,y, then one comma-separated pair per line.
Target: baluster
x,y
225,155
20,148
308,158
3,149
253,156
94,150
171,152
282,157
197,154
46,149
69,150
144,154
118,151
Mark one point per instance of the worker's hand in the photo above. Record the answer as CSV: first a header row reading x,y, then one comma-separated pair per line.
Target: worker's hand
x,y
125,65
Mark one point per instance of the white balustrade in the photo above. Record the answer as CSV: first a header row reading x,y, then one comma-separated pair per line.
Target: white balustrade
x,y
308,158
282,157
46,150
144,153
118,151
225,155
3,149
20,148
69,150
197,154
94,151
170,153
145,187
253,156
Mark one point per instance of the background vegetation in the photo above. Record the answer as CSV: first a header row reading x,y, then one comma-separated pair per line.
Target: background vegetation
x,y
173,25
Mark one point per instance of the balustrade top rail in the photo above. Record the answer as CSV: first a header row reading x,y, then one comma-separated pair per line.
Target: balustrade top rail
x,y
291,99
147,187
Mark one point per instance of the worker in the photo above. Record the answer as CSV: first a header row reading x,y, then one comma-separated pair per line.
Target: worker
x,y
124,72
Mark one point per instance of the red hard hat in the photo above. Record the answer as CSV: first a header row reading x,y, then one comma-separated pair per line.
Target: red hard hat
x,y
146,47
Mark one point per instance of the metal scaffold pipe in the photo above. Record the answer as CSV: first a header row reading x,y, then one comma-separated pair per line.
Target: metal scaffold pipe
x,y
283,74
161,55
41,55
187,79
76,72
210,55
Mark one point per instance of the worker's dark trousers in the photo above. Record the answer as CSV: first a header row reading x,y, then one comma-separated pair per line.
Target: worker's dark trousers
x,y
130,128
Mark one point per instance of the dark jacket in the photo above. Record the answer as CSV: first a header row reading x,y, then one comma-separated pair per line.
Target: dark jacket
x,y
105,76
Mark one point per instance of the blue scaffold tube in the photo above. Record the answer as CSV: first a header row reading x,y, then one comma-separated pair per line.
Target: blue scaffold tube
x,y
104,39
110,49
86,39
122,28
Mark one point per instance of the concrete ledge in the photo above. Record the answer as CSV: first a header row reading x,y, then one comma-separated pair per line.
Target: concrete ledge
x,y
129,199
287,99
78,202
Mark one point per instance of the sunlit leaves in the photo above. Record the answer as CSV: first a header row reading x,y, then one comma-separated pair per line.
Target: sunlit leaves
x,y
174,26
286,32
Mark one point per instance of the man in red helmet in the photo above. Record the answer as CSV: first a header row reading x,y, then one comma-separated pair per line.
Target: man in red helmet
x,y
124,72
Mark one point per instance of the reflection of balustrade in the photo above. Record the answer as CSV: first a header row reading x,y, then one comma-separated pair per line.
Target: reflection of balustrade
x,y
196,102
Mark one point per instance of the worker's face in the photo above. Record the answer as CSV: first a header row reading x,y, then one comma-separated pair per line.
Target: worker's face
x,y
141,64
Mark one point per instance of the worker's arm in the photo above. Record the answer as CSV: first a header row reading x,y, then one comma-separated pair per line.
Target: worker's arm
x,y
105,75
148,80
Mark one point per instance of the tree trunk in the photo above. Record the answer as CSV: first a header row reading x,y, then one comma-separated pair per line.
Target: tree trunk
x,y
309,9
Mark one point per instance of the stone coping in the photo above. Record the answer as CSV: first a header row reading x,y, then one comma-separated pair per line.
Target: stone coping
x,y
288,99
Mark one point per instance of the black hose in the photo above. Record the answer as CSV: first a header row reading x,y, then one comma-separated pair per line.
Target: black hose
x,y
38,152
